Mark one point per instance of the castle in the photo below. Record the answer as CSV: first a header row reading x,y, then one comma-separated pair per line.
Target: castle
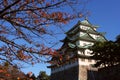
x,y
76,63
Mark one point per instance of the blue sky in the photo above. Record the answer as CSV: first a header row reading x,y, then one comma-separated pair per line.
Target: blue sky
x,y
104,13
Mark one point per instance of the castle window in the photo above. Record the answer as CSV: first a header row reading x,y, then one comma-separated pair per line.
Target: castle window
x,y
88,52
89,60
82,52
82,59
84,28
84,44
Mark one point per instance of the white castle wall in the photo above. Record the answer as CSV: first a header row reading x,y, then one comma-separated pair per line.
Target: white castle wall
x,y
87,52
85,62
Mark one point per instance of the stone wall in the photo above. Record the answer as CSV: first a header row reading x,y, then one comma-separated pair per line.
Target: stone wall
x,y
68,74
87,73
76,73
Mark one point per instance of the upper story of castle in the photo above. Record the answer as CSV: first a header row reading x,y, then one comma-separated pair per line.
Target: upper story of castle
x,y
83,34
76,43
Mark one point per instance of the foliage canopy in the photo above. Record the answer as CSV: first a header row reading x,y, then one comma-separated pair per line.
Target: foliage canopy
x,y
106,53
24,22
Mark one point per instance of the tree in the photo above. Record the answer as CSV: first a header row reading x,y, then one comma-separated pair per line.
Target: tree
x,y
33,77
23,24
43,76
8,72
30,76
106,53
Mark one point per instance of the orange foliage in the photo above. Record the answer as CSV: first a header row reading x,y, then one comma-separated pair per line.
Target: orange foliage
x,y
7,75
47,4
10,73
5,2
23,27
27,1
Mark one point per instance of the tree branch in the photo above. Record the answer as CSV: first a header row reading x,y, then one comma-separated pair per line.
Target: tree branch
x,y
8,7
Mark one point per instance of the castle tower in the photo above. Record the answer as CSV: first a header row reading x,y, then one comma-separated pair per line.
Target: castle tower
x,y
76,63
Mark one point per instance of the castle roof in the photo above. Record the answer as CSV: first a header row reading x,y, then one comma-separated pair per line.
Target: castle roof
x,y
85,23
84,32
90,30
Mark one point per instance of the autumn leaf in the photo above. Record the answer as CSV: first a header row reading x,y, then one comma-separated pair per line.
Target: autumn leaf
x,y
26,23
